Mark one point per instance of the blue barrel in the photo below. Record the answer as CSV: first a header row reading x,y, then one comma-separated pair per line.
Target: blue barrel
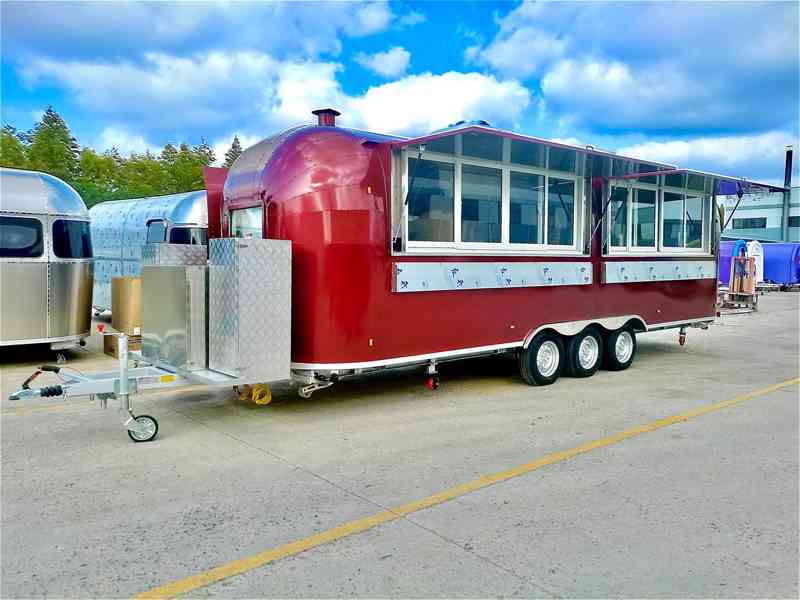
x,y
782,263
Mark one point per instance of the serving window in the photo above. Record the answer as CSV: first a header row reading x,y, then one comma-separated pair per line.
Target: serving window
x,y
670,216
487,194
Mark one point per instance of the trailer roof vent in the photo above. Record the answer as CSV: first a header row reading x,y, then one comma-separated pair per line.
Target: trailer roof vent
x,y
326,116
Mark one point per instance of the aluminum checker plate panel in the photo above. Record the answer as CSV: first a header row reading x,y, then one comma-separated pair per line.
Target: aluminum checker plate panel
x,y
658,270
174,254
443,276
250,308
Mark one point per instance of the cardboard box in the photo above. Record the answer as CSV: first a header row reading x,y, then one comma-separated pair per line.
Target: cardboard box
x,y
110,344
126,304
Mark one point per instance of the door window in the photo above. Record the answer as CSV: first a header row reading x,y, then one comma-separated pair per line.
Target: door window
x,y
71,239
246,223
156,232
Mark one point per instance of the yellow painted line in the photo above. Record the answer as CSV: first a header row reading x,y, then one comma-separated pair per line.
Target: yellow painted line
x,y
249,563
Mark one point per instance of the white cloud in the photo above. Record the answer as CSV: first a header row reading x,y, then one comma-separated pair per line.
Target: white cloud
x,y
85,30
683,59
252,92
611,94
123,140
522,53
194,91
421,103
369,18
391,63
753,156
411,18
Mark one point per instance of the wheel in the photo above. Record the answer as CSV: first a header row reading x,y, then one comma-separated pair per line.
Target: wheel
x,y
542,361
620,349
147,429
432,383
584,353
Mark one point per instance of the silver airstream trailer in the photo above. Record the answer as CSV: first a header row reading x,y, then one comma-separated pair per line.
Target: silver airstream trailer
x,y
121,227
45,261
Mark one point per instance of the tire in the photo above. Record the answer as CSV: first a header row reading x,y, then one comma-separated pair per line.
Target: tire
x,y
584,353
620,349
542,361
152,429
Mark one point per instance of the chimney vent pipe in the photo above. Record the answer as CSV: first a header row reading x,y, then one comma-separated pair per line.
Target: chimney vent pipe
x,y
326,117
787,170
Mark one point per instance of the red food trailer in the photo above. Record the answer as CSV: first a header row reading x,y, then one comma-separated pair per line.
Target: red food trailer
x,y
336,252
472,241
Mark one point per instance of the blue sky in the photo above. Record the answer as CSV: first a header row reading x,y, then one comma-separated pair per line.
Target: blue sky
x,y
707,85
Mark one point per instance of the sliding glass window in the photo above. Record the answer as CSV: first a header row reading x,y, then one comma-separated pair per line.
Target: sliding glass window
x,y
694,222
560,211
643,217
527,208
672,220
430,200
481,193
618,217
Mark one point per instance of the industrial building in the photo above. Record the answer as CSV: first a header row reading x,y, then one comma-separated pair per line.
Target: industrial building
x,y
760,217
765,216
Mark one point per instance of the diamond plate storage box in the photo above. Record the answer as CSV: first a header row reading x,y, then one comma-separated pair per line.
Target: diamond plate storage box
x,y
174,254
174,316
249,309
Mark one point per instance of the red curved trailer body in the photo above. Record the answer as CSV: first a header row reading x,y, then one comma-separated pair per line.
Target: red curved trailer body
x,y
328,190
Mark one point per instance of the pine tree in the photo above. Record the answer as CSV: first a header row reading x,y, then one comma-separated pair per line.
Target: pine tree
x,y
12,150
53,149
205,153
234,152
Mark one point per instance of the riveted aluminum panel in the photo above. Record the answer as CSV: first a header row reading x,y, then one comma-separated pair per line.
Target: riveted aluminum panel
x,y
23,301
249,308
174,254
119,230
70,298
38,193
443,276
658,270
174,316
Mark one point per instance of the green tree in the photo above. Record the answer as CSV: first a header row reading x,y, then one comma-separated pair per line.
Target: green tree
x,y
205,153
12,150
53,149
183,168
142,175
234,152
98,177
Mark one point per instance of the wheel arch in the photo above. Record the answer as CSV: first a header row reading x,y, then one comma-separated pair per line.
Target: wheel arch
x,y
568,328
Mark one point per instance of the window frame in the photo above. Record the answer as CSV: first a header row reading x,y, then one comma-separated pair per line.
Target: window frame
x,y
705,207
760,219
54,245
505,246
234,209
181,226
629,248
149,223
43,255
660,249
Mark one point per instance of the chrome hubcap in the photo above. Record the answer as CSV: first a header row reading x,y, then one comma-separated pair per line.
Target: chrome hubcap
x,y
145,428
624,346
547,359
588,352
